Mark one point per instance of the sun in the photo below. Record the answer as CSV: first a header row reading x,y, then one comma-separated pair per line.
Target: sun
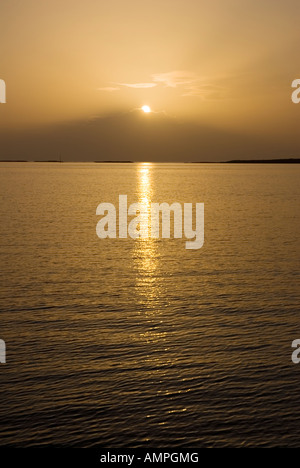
x,y
146,109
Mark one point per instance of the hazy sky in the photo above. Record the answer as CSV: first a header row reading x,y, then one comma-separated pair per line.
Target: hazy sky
x,y
220,66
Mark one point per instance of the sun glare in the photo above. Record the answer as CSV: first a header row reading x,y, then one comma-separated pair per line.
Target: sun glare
x,y
146,109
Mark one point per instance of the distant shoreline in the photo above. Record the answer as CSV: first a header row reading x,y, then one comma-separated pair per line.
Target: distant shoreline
x,y
233,161
116,162
264,161
251,161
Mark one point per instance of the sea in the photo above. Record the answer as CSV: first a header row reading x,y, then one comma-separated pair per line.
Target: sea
x,y
141,342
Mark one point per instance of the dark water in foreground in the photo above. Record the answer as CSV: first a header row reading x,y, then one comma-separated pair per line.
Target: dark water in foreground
x,y
136,343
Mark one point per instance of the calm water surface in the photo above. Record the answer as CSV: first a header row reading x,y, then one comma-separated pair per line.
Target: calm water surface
x,y
136,343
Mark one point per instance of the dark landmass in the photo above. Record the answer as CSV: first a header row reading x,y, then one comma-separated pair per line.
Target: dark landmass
x,y
26,160
117,162
264,161
234,161
250,161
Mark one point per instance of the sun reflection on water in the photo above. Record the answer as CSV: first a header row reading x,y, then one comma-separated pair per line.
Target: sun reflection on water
x,y
150,290
146,249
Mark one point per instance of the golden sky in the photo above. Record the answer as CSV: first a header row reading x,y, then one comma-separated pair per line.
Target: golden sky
x,y
223,64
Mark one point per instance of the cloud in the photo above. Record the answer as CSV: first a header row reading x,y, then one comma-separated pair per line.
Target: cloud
x,y
138,85
188,83
109,89
175,78
205,91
